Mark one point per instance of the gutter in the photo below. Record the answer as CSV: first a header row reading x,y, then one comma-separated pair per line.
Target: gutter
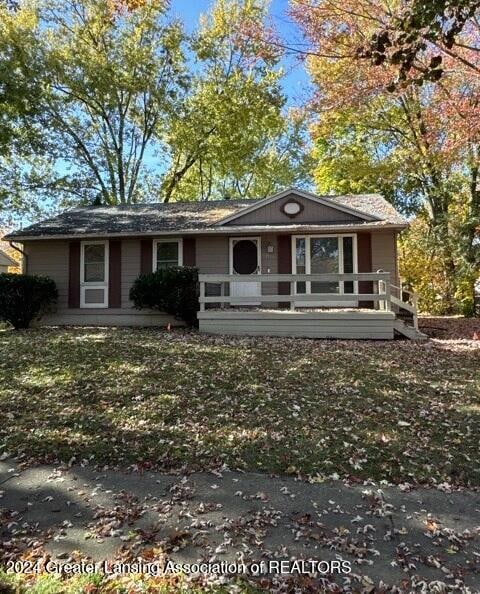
x,y
219,231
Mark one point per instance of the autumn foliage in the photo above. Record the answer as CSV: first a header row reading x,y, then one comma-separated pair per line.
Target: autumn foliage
x,y
414,137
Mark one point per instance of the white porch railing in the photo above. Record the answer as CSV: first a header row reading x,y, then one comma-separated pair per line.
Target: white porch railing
x,y
380,294
409,304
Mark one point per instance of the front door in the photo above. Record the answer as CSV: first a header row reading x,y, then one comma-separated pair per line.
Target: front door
x,y
245,260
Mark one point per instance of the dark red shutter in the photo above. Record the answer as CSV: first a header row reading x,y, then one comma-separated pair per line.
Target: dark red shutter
x,y
284,247
115,274
146,256
189,251
364,252
74,275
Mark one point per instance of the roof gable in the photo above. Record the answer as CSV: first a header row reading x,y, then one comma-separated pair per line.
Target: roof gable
x,y
313,209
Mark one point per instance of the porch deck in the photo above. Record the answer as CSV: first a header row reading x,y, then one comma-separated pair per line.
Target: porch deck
x,y
273,307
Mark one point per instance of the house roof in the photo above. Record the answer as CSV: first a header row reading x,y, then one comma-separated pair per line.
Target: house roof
x,y
144,219
6,260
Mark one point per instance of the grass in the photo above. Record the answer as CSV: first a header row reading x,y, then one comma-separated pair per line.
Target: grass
x,y
98,584
398,411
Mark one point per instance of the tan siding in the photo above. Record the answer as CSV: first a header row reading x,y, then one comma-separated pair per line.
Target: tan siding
x,y
50,258
271,214
212,255
384,253
269,262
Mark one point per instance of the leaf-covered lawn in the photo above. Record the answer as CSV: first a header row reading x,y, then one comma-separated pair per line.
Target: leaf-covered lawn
x,y
98,584
399,411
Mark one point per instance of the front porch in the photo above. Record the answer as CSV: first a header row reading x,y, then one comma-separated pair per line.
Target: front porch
x,y
353,306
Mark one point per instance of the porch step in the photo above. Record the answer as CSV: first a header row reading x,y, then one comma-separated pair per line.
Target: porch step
x,y
408,331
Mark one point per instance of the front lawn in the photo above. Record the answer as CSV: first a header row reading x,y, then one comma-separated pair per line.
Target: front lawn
x,y
400,411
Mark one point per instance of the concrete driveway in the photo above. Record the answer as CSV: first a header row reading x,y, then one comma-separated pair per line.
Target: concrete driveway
x,y
412,539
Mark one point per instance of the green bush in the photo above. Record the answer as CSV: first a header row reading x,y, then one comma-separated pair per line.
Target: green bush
x,y
173,290
24,298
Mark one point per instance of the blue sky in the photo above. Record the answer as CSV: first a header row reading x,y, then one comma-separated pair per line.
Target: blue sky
x,y
295,84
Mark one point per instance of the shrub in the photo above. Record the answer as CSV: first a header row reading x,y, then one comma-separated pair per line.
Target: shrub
x,y
24,298
173,290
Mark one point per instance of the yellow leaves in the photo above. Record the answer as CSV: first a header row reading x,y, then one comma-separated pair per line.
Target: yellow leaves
x,y
421,265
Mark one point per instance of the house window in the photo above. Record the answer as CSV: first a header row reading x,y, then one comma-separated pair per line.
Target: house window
x,y
325,254
94,263
94,274
167,253
300,258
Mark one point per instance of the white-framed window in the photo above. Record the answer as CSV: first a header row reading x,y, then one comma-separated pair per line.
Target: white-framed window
x,y
167,253
94,274
325,254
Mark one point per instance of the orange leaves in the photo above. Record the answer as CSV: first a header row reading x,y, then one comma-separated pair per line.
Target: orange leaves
x,y
346,79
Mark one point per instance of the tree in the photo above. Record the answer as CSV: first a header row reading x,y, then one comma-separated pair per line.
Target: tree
x,y
422,138
112,77
231,135
403,38
131,109
277,159
355,152
108,75
20,100
19,92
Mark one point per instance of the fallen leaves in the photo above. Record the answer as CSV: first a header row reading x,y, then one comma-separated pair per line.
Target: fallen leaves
x,y
399,412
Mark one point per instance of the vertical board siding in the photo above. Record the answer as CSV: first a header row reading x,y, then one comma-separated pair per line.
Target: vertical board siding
x,y
269,263
74,275
212,255
312,212
115,274
60,260
52,259
189,251
146,256
384,253
212,258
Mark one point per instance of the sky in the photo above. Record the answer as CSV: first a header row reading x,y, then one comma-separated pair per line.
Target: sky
x,y
295,83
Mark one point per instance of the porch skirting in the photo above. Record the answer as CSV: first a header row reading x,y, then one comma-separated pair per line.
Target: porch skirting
x,y
306,324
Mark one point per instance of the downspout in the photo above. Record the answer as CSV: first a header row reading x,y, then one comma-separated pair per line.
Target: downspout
x,y
24,265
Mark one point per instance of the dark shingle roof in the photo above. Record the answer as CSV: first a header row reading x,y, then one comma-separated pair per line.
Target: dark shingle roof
x,y
135,218
139,219
373,204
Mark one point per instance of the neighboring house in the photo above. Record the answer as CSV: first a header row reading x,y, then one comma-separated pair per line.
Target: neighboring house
x,y
251,255
6,262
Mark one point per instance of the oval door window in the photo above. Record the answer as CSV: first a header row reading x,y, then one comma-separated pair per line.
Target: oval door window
x,y
245,257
